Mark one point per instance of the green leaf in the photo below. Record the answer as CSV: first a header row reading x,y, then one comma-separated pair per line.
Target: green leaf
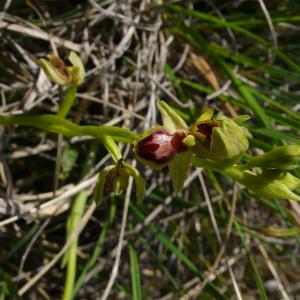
x,y
112,148
257,277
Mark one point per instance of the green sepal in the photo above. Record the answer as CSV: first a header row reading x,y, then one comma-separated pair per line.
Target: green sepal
x,y
241,119
178,167
100,185
53,73
139,181
78,71
171,120
58,72
228,140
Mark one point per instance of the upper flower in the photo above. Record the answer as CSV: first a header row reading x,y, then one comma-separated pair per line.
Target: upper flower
x,y
58,72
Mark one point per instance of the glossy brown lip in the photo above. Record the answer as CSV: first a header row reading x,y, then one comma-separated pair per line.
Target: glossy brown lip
x,y
160,146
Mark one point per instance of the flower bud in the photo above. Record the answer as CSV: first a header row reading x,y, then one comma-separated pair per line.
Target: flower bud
x,y
272,184
284,177
282,158
158,146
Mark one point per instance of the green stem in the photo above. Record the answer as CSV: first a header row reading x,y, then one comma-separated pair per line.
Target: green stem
x,y
233,171
205,163
67,102
236,174
57,124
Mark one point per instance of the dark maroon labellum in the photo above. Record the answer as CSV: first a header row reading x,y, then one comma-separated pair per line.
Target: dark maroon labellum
x,y
160,146
207,128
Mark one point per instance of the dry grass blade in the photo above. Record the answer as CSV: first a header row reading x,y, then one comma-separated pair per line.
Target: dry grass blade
x,y
39,34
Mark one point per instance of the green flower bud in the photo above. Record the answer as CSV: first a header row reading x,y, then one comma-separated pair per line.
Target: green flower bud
x,y
58,72
286,178
278,186
282,158
269,184
219,139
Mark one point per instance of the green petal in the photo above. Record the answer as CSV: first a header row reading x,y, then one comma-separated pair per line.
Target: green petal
x,y
80,71
189,141
207,115
171,120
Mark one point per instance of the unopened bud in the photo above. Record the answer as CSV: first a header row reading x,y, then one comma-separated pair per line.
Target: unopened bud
x,y
282,158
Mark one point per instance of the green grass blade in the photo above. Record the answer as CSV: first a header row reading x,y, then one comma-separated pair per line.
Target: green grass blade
x,y
135,273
